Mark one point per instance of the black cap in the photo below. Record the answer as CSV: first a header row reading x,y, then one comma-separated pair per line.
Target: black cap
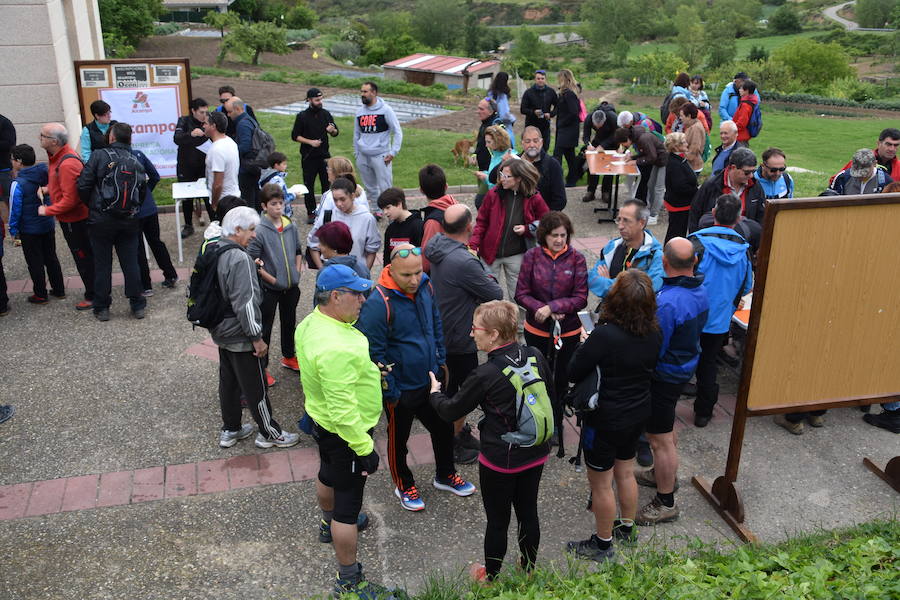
x,y
313,93
741,75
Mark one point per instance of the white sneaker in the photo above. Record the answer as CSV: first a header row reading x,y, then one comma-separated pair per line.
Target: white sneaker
x,y
227,439
285,440
652,220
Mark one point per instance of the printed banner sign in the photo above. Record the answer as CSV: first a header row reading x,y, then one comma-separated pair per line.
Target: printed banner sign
x,y
131,76
152,113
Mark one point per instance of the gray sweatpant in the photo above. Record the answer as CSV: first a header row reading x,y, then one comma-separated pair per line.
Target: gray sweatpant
x,y
376,176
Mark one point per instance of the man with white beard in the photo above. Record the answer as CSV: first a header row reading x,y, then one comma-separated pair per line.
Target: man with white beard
x,y
551,185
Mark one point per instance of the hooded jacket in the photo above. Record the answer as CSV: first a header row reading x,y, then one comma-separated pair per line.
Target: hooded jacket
x,y
682,308
372,130
489,224
363,230
239,283
724,261
460,283
433,216
278,251
23,211
489,388
648,259
742,117
279,178
558,281
783,187
728,103
408,334
753,198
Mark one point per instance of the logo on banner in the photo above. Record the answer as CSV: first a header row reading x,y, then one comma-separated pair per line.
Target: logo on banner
x,y
140,100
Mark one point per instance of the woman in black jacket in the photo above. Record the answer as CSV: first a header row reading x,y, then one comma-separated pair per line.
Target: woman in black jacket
x,y
624,345
681,185
567,122
509,474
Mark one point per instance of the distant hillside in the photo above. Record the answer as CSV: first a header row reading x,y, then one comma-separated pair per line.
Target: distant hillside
x,y
496,12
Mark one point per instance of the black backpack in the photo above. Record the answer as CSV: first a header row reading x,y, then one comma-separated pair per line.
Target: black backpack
x,y
261,146
664,107
206,304
121,188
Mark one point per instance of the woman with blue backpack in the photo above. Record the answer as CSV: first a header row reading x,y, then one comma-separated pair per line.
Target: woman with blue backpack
x,y
513,388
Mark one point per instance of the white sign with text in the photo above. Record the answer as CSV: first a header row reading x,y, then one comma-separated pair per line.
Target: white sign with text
x,y
152,113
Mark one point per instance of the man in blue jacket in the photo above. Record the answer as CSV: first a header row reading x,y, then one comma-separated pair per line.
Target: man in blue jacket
x,y
248,175
403,325
772,175
635,248
728,103
724,261
682,307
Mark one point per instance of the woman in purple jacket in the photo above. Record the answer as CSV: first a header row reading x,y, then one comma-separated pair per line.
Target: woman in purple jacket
x,y
552,288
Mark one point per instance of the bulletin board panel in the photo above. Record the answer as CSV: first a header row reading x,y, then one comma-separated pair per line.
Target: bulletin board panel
x,y
148,94
825,320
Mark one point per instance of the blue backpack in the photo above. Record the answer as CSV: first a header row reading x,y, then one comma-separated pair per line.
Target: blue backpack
x,y
755,124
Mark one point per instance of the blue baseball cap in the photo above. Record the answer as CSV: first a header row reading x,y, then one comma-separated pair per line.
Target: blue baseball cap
x,y
334,277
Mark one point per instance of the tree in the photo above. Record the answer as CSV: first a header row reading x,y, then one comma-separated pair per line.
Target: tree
x,y
300,16
874,13
380,50
812,63
620,51
256,38
600,18
719,35
757,54
436,24
128,21
221,20
657,67
785,21
690,37
527,53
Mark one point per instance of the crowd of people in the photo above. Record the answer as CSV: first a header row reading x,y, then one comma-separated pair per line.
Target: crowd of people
x,y
406,342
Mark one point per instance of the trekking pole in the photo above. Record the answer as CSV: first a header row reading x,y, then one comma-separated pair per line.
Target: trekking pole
x,y
576,460
554,344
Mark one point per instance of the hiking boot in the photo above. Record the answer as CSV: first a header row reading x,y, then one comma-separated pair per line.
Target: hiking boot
x,y
816,420
84,305
410,499
454,484
888,419
362,523
227,439
285,440
463,455
169,283
4,311
588,197
6,412
590,549
270,381
657,512
648,479
102,314
701,420
465,438
290,363
644,455
35,299
138,313
187,231
364,590
795,428
628,536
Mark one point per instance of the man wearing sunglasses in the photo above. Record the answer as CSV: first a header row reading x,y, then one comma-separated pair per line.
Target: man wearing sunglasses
x,y
403,325
772,175
735,179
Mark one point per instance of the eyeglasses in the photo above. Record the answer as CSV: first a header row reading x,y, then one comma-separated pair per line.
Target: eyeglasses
x,y
775,169
405,252
47,137
505,176
748,172
624,220
474,329
344,291
223,100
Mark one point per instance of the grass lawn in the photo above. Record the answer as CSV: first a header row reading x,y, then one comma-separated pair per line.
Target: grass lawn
x,y
743,44
820,144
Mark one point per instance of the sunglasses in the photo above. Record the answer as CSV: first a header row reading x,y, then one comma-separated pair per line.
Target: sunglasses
x,y
404,253
748,173
223,100
775,169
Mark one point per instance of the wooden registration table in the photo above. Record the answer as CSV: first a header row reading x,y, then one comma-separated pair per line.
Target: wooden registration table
x,y
608,162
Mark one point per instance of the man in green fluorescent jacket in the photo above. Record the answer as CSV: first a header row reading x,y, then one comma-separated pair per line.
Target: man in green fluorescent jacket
x,y
343,397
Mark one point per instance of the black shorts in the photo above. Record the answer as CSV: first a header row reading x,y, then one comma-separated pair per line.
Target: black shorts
x,y
602,447
663,398
336,471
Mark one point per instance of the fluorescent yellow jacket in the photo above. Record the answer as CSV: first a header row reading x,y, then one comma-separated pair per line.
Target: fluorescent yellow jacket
x,y
341,383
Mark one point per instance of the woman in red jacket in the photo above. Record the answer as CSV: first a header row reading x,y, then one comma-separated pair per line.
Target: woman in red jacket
x,y
746,103
507,220
552,288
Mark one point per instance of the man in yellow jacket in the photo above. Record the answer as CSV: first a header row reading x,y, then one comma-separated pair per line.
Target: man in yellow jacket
x,y
343,398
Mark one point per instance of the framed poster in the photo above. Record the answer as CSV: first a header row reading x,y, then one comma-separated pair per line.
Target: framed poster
x,y
96,78
166,74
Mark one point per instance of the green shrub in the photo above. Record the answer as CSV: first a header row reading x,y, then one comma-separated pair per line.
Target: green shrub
x,y
116,46
785,21
656,67
300,16
214,72
277,76
344,51
295,36
166,29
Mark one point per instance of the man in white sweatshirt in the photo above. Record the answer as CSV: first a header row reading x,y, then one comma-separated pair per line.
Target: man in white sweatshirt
x,y
372,144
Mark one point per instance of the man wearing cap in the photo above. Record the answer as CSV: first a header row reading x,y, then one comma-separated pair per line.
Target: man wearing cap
x,y
731,97
402,321
863,176
312,128
342,387
539,106
885,153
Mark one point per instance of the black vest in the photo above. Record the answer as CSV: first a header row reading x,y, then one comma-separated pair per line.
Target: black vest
x,y
98,138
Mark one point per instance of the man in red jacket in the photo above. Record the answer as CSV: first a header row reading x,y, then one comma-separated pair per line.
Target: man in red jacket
x,y
885,154
65,204
748,100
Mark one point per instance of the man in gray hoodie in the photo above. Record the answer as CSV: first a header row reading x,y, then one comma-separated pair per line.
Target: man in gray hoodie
x,y
239,338
372,145
461,283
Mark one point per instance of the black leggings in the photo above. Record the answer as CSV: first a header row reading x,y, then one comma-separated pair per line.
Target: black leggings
x,y
574,173
500,492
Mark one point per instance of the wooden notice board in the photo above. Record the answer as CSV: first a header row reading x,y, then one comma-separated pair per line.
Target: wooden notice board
x,y
825,319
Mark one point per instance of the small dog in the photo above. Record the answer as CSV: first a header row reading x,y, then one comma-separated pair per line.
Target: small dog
x,y
461,151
